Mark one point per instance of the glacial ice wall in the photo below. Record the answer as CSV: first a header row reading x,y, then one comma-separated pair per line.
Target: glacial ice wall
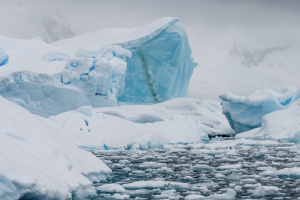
x,y
245,113
161,64
3,57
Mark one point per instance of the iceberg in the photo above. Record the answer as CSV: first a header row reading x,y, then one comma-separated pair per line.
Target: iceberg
x,y
37,163
161,64
142,66
3,57
246,113
281,126
84,81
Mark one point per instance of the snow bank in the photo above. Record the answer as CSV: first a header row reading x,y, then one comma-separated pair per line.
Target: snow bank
x,y
37,163
245,113
3,57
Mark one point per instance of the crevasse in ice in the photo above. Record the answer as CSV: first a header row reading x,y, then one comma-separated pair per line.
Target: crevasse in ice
x,y
245,113
3,57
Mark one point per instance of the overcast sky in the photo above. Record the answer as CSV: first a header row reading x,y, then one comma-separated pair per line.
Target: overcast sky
x,y
24,18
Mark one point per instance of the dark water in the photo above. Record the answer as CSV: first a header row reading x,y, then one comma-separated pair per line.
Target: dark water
x,y
128,167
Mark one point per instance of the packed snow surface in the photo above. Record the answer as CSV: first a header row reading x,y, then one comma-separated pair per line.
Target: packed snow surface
x,y
38,163
246,113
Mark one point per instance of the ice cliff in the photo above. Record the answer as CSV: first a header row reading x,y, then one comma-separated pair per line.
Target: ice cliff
x,y
148,65
246,113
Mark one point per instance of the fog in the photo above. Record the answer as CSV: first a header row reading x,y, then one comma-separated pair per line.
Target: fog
x,y
213,28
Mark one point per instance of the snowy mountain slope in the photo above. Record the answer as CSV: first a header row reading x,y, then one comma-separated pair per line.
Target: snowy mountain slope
x,y
38,163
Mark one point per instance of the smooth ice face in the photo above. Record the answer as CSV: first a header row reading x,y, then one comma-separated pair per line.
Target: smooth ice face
x,y
245,113
3,57
160,67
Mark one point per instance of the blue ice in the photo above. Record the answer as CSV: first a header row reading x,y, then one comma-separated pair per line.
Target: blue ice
x,y
160,68
245,113
3,57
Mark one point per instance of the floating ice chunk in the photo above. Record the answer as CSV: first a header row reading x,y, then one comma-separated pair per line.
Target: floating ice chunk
x,y
168,194
265,191
228,167
292,173
245,113
248,181
258,155
194,197
218,175
165,170
266,168
56,56
145,185
229,195
82,192
3,57
120,196
154,164
201,167
179,186
113,188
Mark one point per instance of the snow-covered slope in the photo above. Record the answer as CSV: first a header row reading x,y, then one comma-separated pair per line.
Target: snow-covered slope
x,y
38,163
